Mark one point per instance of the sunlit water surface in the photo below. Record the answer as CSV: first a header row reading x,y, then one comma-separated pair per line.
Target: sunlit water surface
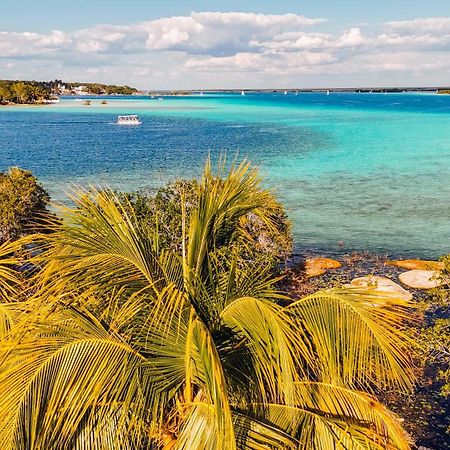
x,y
355,171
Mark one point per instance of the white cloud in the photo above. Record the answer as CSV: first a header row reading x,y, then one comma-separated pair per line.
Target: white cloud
x,y
223,49
426,33
432,25
25,44
221,34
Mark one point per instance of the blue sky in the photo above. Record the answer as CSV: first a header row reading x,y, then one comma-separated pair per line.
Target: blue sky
x,y
163,44
46,15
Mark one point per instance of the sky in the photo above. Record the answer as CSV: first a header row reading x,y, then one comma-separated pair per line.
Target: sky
x,y
174,44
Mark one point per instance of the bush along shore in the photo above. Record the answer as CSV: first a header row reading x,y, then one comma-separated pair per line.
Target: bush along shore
x,y
171,320
24,92
42,92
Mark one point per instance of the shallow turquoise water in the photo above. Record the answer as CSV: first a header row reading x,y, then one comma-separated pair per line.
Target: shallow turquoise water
x,y
355,171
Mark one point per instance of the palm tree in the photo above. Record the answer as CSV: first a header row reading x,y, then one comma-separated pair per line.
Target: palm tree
x,y
123,344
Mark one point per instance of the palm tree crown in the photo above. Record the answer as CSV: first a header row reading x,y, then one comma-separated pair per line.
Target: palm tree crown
x,y
123,343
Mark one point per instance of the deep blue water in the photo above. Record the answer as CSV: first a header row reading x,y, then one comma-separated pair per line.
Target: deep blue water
x,y
369,171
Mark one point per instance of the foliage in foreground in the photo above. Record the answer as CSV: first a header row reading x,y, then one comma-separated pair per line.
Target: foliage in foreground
x,y
268,240
437,333
125,344
23,204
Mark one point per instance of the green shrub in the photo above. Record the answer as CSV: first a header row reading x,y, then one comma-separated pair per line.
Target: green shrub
x,y
23,203
442,327
164,211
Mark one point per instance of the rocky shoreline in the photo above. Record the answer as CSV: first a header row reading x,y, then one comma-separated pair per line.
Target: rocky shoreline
x,y
425,412
304,276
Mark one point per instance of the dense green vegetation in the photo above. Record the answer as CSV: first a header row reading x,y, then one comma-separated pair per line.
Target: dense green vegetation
x,y
126,337
24,92
438,330
269,240
23,204
99,88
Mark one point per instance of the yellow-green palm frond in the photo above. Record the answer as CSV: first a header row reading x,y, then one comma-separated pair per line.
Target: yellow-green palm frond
x,y
362,421
184,358
66,381
359,337
222,203
9,280
225,281
255,432
100,246
199,429
280,352
328,416
10,317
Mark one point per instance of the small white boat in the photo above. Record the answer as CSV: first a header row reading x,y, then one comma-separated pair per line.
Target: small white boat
x,y
285,92
242,93
328,92
128,120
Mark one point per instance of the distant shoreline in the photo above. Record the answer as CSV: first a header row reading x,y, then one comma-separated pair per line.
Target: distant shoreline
x,y
303,90
186,93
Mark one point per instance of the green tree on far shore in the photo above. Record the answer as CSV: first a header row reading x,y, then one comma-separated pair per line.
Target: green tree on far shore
x,y
6,93
23,92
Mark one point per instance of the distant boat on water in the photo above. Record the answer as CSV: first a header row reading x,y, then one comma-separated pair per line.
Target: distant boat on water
x,y
242,92
328,92
128,120
285,92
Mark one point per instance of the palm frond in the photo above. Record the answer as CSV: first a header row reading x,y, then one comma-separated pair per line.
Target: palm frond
x,y
277,349
64,380
358,336
222,203
98,238
9,280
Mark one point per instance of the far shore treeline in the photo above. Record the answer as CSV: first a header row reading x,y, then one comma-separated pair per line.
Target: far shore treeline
x,y
26,92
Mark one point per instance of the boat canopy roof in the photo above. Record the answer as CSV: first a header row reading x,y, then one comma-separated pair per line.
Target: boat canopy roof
x,y
129,117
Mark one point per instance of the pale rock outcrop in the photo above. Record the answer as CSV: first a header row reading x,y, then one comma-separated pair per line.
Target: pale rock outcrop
x,y
381,285
421,279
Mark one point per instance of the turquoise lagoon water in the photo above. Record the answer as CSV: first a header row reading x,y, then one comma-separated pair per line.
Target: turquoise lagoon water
x,y
355,171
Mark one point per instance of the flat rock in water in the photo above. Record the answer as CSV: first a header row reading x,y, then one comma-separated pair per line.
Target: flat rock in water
x,y
318,266
418,264
381,285
421,279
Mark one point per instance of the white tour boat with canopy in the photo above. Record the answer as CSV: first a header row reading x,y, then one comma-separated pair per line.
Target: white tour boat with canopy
x,y
128,120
